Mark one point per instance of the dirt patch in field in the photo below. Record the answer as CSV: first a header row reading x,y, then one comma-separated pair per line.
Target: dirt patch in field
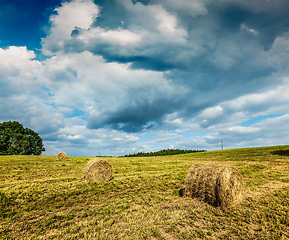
x,y
166,235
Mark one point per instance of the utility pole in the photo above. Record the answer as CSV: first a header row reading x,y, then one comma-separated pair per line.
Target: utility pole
x,y
222,145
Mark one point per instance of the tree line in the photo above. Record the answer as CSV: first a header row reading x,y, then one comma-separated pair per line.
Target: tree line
x,y
163,152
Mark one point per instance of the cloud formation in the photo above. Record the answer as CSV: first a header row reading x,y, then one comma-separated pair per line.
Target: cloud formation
x,y
144,75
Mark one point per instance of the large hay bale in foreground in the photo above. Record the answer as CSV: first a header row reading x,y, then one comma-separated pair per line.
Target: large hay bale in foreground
x,y
98,170
62,155
217,185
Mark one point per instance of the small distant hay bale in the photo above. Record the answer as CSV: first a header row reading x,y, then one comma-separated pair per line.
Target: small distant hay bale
x,y
62,155
115,155
98,170
217,185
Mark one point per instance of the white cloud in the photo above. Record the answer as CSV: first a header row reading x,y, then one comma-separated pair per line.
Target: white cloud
x,y
97,86
17,68
23,91
227,114
156,24
31,111
15,57
172,121
150,25
273,124
271,131
166,22
77,13
212,112
116,37
272,101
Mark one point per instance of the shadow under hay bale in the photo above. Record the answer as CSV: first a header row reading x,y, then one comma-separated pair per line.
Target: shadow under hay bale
x,y
62,155
98,170
217,185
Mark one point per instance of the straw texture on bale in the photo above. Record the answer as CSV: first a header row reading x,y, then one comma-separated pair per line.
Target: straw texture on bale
x,y
217,185
98,170
61,155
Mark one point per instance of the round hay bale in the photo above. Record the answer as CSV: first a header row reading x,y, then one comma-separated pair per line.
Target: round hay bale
x,y
115,155
98,170
217,185
62,155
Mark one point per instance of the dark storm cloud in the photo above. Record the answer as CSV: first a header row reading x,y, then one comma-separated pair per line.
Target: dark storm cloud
x,y
136,118
269,24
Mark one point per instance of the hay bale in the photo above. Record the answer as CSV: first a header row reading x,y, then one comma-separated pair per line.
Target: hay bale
x,y
115,155
98,170
62,155
217,185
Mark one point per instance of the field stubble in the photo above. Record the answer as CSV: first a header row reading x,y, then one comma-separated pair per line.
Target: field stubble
x,y
42,197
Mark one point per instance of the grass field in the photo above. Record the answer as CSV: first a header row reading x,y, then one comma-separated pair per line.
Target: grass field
x,y
45,198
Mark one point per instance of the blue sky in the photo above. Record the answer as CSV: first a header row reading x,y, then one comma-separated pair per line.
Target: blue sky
x,y
122,76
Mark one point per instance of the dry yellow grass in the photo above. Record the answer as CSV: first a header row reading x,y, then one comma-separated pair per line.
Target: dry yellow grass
x,y
42,197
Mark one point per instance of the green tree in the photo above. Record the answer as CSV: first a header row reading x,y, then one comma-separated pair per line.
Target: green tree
x,y
17,140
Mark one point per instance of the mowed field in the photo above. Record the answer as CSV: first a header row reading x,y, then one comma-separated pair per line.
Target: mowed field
x,y
42,197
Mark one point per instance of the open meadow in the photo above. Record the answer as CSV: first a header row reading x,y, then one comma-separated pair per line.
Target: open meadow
x,y
42,197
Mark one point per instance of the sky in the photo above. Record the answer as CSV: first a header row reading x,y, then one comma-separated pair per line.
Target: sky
x,y
113,77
